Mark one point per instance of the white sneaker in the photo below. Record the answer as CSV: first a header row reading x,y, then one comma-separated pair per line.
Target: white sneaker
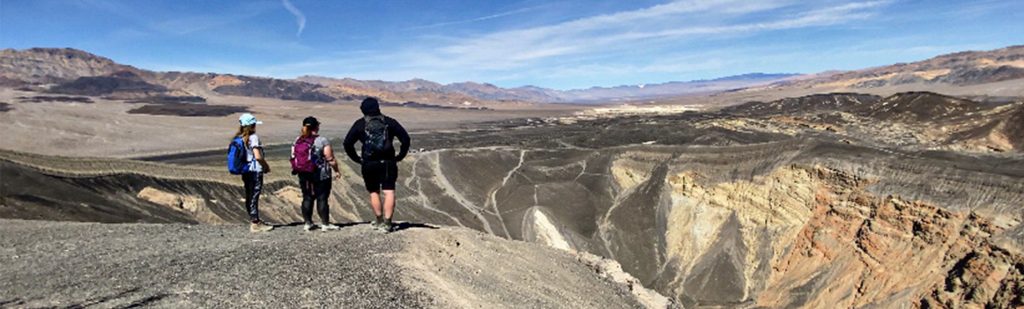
x,y
308,227
257,227
329,227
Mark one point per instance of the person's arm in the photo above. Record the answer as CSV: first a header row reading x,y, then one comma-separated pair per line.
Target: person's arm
x,y
350,143
257,153
329,157
403,137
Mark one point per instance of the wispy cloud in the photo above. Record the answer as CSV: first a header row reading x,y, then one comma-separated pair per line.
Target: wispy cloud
x,y
609,43
482,18
300,18
651,40
226,27
669,21
193,24
164,23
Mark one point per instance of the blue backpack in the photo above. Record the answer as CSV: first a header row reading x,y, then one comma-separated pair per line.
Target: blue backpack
x,y
238,161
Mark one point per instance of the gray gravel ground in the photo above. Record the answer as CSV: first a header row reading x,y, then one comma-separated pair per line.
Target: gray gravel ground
x,y
97,265
52,264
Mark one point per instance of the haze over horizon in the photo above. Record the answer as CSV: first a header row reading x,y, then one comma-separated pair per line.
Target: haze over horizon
x,y
565,45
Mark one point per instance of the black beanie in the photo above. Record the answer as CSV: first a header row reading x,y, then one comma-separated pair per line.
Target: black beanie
x,y
370,107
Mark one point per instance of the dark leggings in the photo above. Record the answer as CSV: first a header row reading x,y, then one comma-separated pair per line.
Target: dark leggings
x,y
315,189
253,187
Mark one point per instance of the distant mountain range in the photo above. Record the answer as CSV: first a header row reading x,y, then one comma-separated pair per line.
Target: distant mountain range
x,y
424,90
956,69
71,71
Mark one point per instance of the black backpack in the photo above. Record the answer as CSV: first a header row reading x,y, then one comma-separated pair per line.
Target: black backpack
x,y
377,142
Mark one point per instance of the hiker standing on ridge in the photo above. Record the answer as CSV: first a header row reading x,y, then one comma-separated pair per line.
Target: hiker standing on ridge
x,y
379,162
245,157
312,160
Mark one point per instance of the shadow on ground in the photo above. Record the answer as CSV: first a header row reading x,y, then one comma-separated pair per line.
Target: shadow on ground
x,y
399,226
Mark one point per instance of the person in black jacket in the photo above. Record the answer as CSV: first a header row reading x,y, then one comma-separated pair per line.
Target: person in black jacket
x,y
379,162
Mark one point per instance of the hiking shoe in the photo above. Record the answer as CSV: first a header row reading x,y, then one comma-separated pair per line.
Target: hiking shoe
x,y
308,227
257,227
329,227
386,227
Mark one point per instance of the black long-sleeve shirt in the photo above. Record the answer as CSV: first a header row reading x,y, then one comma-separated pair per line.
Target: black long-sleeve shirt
x,y
357,134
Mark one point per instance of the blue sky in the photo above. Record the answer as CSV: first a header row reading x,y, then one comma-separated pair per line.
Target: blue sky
x,y
562,45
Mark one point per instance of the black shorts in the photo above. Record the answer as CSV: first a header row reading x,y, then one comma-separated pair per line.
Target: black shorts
x,y
380,175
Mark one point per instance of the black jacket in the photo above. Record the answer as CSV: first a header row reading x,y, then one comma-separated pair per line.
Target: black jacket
x,y
357,134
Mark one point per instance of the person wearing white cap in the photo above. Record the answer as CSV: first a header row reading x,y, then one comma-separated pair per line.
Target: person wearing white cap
x,y
256,166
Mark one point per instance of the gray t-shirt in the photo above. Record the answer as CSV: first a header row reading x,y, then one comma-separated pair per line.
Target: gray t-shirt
x,y
250,156
318,148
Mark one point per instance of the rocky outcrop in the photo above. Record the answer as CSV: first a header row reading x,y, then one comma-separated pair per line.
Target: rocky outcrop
x,y
270,88
804,104
610,269
917,107
816,237
192,205
224,80
958,69
51,65
174,201
910,120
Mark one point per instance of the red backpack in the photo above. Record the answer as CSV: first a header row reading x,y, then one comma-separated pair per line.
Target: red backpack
x,y
303,159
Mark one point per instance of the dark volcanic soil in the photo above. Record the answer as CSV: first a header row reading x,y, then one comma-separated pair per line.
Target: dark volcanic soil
x,y
275,88
591,135
168,99
59,99
189,110
118,82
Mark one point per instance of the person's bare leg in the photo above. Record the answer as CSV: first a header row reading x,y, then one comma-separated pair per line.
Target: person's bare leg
x,y
389,204
375,203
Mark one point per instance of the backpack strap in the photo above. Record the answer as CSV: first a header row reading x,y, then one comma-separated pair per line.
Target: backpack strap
x,y
291,154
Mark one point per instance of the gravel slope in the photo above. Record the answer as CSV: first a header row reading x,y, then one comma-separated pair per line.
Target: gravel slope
x,y
55,264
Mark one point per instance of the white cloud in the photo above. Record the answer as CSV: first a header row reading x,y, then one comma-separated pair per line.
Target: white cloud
x,y
481,18
507,49
300,18
601,44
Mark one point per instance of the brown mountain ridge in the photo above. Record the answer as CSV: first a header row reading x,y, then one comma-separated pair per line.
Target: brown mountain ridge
x,y
43,68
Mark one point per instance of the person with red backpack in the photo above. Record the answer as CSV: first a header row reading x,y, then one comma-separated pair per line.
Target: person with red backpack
x,y
313,160
379,163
